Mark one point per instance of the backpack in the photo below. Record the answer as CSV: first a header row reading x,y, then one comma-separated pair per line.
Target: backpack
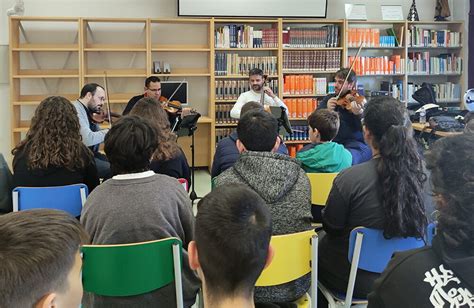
x,y
445,124
6,186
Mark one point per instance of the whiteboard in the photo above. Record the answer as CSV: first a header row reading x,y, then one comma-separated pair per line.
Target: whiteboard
x,y
252,8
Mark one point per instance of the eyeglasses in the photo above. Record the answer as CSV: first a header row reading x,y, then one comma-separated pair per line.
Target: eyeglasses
x,y
154,90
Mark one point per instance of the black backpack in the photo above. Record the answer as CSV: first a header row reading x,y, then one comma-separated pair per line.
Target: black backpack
x,y
445,124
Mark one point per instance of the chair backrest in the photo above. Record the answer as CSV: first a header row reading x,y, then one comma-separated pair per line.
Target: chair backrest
x,y
321,184
430,233
292,259
69,198
376,251
132,269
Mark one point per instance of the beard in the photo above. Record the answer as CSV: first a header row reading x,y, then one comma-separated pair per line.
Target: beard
x,y
257,87
95,109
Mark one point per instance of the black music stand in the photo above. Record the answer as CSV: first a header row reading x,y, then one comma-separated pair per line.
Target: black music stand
x,y
284,125
186,127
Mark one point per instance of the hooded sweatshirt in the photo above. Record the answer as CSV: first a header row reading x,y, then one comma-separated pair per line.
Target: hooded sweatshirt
x,y
284,186
324,157
437,276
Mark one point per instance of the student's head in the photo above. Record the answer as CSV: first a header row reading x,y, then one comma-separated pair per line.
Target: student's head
x,y
469,121
40,260
250,106
153,87
341,76
93,95
256,79
150,109
323,124
257,131
388,131
232,234
130,144
53,138
451,161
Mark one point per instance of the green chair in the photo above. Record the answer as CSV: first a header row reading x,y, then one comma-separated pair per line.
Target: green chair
x,y
132,269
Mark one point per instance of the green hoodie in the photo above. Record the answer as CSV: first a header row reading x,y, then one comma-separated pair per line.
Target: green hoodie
x,y
324,158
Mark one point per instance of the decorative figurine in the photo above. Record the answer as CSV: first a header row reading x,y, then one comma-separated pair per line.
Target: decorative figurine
x,y
413,13
442,10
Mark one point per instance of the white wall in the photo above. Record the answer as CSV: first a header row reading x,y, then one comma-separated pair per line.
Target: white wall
x,y
163,8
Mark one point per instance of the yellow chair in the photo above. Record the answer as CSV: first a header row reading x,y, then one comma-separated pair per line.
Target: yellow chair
x,y
321,184
292,260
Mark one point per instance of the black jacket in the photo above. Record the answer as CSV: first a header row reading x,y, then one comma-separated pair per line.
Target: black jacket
x,y
436,276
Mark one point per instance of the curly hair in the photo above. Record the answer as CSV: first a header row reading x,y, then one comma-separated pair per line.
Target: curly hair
x,y
150,109
54,138
451,161
400,168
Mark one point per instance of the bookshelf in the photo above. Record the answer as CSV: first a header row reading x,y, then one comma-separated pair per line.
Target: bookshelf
x,y
434,51
201,52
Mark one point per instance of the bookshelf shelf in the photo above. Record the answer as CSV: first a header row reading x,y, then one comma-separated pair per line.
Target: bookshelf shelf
x,y
377,48
296,141
308,72
246,49
226,125
303,95
241,77
433,48
311,48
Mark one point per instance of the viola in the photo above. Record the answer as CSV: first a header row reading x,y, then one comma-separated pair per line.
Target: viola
x,y
103,116
345,101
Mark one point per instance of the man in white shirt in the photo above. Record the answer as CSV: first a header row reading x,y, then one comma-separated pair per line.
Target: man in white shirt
x,y
256,81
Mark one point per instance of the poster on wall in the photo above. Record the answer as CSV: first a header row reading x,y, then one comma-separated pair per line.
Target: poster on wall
x,y
251,8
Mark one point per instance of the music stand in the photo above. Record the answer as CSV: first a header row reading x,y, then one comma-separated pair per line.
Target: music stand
x,y
284,125
186,127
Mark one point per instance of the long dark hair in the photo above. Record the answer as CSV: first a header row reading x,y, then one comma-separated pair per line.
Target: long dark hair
x,y
451,161
150,109
53,138
400,168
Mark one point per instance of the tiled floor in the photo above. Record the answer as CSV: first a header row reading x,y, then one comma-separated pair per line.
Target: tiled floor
x,y
202,184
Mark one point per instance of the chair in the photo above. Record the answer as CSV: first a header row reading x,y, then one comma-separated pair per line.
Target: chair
x,y
370,251
297,250
69,198
321,184
430,233
132,269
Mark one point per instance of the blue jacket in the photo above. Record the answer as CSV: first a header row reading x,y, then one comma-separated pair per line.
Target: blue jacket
x,y
227,154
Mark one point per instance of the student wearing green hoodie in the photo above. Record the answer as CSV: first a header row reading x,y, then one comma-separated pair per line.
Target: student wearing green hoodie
x,y
323,155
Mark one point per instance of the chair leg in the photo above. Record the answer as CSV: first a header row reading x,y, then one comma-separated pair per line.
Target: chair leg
x,y
328,295
15,201
314,271
353,272
177,276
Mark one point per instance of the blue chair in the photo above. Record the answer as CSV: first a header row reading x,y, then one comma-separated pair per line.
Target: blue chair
x,y
69,198
370,251
430,233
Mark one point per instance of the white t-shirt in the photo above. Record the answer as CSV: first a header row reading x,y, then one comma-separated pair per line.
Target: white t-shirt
x,y
252,96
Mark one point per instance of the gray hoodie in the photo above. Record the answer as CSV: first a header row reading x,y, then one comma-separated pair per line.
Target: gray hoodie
x,y
281,182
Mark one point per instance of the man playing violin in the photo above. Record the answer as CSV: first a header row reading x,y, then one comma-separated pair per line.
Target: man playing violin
x,y
152,89
256,81
90,102
350,108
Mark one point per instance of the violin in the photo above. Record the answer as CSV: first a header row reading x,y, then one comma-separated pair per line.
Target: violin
x,y
103,116
345,101
171,106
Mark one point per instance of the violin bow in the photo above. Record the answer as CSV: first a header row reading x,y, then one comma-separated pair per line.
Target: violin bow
x,y
350,70
108,98
177,88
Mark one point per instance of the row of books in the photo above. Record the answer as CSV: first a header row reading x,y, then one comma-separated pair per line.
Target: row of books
x,y
304,84
420,37
221,133
372,38
300,107
446,91
300,133
223,114
423,63
245,36
314,37
231,89
293,149
317,60
385,65
233,64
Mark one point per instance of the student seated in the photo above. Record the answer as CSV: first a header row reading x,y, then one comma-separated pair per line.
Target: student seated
x,y
226,151
384,193
137,205
280,181
52,154
169,158
231,247
441,275
322,155
40,259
